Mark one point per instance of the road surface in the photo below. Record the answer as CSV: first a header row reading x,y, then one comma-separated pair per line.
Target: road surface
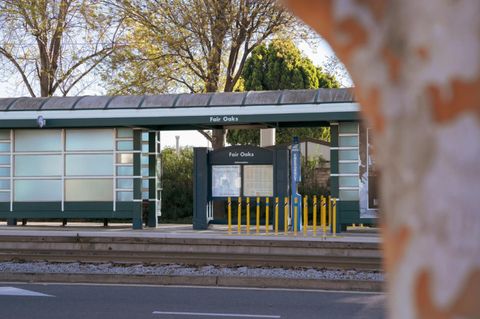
x,y
77,301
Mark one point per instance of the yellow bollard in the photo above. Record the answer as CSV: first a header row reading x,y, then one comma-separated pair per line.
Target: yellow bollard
x,y
305,215
329,210
295,217
334,221
258,216
324,215
248,215
229,201
314,222
267,207
239,221
285,217
276,215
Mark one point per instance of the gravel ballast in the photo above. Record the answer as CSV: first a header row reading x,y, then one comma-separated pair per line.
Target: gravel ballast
x,y
182,270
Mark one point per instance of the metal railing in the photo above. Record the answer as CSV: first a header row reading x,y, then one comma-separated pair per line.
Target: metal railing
x,y
324,223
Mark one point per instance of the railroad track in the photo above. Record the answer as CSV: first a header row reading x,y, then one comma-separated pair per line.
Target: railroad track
x,y
192,251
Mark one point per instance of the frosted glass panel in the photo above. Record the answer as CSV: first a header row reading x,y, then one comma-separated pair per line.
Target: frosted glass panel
x,y
348,194
38,140
144,159
348,155
124,196
348,127
348,168
145,148
125,145
145,195
38,165
125,170
348,181
125,158
93,165
4,184
145,171
89,190
38,190
89,140
125,183
145,183
4,196
4,171
4,134
348,141
4,147
125,132
4,159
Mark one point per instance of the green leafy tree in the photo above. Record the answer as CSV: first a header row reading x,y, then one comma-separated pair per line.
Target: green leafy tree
x,y
192,45
177,184
281,66
54,44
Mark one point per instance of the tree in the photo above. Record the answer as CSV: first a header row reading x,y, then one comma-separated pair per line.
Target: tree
x,y
333,66
421,97
280,66
54,43
197,45
177,183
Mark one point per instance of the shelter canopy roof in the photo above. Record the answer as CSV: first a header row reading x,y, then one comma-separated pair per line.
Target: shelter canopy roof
x,y
188,111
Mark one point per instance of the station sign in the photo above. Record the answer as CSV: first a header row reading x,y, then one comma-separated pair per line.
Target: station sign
x,y
241,155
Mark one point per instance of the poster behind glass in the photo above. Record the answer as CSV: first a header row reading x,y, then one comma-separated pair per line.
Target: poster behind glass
x,y
368,176
258,180
226,180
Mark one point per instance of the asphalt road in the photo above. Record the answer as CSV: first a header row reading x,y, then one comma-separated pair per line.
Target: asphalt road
x,y
51,301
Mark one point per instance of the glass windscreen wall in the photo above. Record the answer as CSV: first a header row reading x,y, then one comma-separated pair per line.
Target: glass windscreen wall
x,y
69,165
348,161
5,166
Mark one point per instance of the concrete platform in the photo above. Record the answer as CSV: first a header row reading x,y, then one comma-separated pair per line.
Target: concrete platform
x,y
179,231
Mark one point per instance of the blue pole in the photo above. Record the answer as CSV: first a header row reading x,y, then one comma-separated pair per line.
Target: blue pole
x,y
296,178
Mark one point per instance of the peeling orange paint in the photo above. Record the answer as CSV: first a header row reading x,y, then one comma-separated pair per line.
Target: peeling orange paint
x,y
394,246
317,14
466,303
465,97
377,7
356,34
393,62
370,106
423,53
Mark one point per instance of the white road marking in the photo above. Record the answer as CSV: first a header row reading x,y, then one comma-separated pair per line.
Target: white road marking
x,y
12,291
234,315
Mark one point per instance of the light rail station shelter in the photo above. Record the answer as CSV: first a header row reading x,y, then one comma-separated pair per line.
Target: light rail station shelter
x,y
98,156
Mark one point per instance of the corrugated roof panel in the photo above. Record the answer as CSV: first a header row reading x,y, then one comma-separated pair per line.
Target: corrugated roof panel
x,y
4,103
262,97
335,95
125,102
199,99
228,99
92,102
298,96
165,100
60,103
27,104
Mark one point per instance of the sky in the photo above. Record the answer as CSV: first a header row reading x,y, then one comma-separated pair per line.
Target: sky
x,y
317,53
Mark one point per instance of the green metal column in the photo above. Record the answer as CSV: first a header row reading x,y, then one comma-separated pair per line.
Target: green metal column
x,y
152,187
137,180
334,179
200,188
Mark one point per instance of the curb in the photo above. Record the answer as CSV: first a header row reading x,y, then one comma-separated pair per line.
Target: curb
x,y
210,281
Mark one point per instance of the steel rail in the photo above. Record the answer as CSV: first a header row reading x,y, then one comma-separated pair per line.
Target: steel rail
x,y
225,252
